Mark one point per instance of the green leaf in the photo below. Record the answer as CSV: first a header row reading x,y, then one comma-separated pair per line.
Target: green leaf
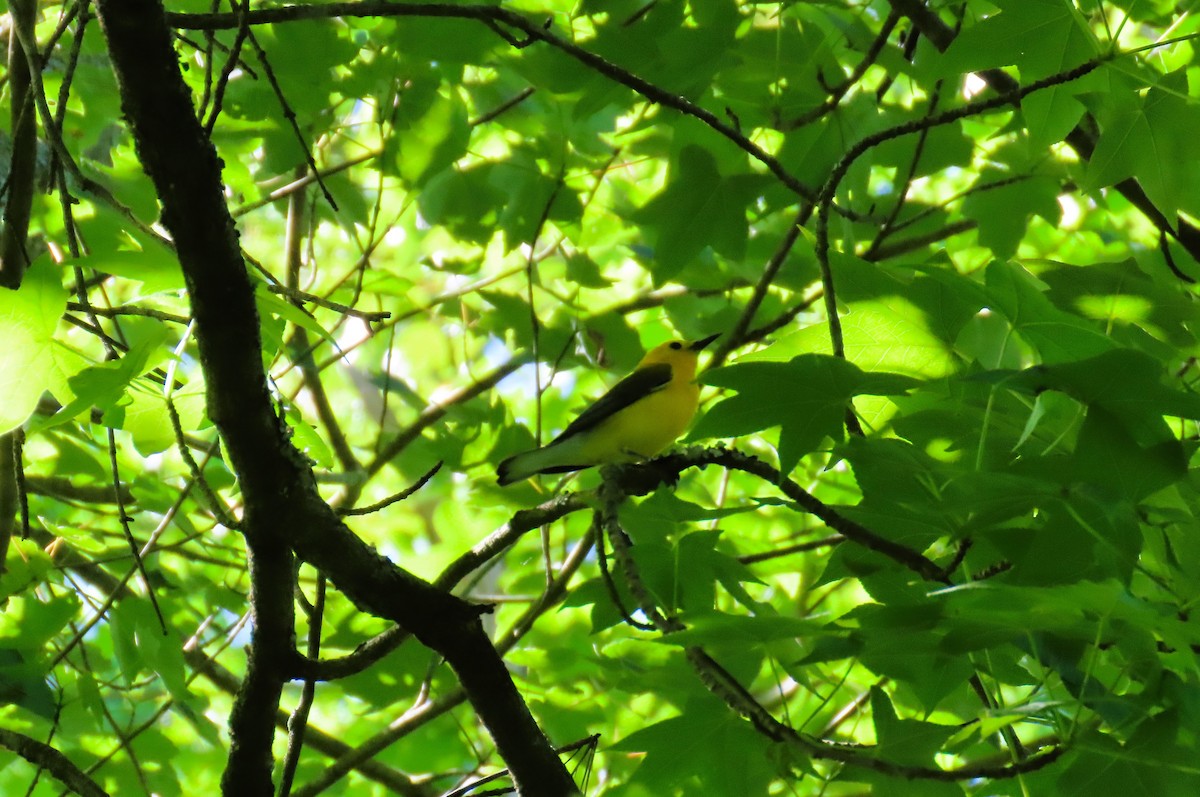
x,y
458,41
1104,766
1126,383
1149,139
706,746
1052,113
23,683
697,209
27,566
810,152
898,482
1107,454
426,145
105,385
147,420
159,653
1121,294
806,397
1057,335
904,643
1041,37
30,361
304,58
1003,213
307,441
584,272
156,269
463,201
905,741
270,304
733,629
940,148
532,198
28,623
891,323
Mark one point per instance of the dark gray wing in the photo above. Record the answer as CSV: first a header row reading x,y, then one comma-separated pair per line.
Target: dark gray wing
x,y
639,384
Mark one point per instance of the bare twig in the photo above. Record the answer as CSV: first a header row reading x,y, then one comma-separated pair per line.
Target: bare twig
x,y
392,499
124,519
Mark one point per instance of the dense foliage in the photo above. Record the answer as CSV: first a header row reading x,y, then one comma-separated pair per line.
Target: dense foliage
x,y
935,532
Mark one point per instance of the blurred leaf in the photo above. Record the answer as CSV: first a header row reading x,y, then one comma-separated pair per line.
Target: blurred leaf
x,y
698,208
462,201
726,629
806,397
1003,212
157,271
23,683
720,754
273,305
941,148
427,145
906,741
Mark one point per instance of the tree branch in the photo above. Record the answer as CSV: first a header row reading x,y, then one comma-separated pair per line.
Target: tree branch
x,y
283,507
643,478
840,169
22,166
46,757
622,480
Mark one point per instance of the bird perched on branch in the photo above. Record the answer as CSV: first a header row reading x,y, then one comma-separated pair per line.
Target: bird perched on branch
x,y
637,419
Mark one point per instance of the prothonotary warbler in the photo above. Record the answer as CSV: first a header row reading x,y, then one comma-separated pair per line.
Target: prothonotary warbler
x,y
638,418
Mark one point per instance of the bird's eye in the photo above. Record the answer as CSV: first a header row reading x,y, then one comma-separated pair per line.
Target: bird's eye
x,y
676,345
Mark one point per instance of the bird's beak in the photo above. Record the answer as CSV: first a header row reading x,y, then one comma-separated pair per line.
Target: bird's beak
x,y
700,344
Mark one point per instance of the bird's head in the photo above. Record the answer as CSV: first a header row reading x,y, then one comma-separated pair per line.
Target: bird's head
x,y
679,354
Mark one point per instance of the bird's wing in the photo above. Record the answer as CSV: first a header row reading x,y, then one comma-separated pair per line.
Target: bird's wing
x,y
638,385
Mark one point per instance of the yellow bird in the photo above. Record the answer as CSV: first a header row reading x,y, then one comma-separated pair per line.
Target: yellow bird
x,y
638,418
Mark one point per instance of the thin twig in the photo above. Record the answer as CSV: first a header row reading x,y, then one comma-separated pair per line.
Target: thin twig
x,y
290,115
494,17
125,527
788,550
836,93
218,97
298,723
392,499
736,336
328,304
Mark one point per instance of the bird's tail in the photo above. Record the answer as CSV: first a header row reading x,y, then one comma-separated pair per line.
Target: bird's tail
x,y
547,459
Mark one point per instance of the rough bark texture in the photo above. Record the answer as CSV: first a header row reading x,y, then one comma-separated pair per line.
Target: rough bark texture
x,y
284,512
46,757
19,181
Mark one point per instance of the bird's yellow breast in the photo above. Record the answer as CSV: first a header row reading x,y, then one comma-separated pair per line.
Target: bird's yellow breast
x,y
645,427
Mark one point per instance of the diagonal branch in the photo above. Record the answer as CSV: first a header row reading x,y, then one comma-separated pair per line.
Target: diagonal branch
x,y
283,508
867,143
715,677
644,478
51,760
